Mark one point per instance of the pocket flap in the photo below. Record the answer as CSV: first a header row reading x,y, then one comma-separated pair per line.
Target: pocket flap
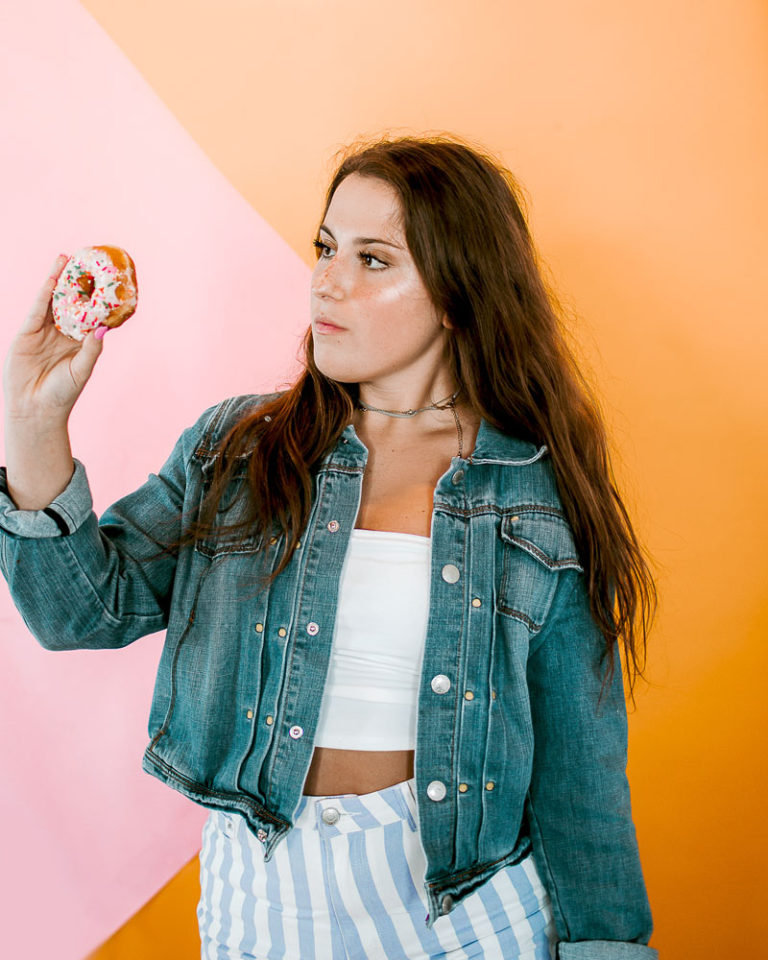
x,y
543,534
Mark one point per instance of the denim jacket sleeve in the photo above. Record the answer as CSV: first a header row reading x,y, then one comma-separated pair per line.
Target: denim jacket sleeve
x,y
80,582
578,804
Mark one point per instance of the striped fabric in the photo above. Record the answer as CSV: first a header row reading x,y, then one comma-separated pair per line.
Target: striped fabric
x,y
346,883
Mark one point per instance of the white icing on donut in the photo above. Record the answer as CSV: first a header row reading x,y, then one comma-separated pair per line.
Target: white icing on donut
x,y
75,312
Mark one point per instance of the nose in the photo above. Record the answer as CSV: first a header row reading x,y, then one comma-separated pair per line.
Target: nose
x,y
327,279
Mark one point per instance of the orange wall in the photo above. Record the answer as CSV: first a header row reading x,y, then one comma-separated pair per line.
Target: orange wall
x,y
640,134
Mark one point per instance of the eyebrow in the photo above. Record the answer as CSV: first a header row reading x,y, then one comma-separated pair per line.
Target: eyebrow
x,y
362,240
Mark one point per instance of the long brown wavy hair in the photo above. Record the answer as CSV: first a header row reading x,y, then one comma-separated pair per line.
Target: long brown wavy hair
x,y
466,230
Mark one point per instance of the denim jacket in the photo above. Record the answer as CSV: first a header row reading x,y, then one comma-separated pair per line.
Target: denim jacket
x,y
512,753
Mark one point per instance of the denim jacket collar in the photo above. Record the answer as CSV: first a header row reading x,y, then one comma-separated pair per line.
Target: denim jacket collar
x,y
491,446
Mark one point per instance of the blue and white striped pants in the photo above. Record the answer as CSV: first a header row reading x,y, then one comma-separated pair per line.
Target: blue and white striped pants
x,y
347,883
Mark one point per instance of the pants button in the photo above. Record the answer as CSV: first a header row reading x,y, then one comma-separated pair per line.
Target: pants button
x,y
330,815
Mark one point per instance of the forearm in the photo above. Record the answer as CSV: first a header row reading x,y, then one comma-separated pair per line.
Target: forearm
x,y
84,583
578,806
38,459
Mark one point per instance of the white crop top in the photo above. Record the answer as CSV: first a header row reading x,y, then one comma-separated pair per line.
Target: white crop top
x,y
371,692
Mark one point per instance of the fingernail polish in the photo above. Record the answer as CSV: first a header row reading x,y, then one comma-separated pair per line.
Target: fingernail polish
x,y
101,333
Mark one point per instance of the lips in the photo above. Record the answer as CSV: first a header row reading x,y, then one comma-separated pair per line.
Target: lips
x,y
324,325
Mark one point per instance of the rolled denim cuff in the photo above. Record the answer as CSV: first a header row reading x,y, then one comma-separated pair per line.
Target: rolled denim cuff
x,y
605,950
59,519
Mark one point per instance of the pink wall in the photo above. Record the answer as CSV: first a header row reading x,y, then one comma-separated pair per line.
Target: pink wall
x,y
96,157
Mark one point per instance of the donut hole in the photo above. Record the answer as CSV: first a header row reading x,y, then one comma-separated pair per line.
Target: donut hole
x,y
85,285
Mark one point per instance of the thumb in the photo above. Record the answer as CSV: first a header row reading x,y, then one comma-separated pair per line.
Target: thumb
x,y
85,359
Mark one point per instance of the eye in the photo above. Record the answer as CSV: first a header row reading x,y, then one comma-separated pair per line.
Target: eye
x,y
369,256
322,250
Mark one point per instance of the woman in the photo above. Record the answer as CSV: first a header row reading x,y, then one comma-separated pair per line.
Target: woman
x,y
393,595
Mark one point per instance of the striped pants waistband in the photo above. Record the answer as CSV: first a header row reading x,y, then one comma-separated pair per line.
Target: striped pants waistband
x,y
347,883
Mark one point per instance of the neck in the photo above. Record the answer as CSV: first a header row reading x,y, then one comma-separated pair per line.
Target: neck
x,y
408,390
456,423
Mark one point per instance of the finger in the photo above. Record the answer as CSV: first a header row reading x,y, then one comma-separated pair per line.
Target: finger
x,y
40,312
83,362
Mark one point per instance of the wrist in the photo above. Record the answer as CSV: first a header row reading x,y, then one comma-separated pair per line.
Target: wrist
x,y
37,422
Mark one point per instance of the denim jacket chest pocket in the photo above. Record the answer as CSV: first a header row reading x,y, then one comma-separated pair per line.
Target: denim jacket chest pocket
x,y
537,542
231,509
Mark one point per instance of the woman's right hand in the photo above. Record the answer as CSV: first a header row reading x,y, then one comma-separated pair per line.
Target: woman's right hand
x,y
45,371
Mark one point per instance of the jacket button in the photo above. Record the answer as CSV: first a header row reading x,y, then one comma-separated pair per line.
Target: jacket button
x,y
490,785
272,541
282,632
249,714
441,683
457,477
446,904
450,573
469,695
259,627
312,628
477,602
436,790
463,788
296,732
333,525
270,720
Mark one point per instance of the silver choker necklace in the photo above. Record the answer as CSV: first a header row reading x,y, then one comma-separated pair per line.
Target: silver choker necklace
x,y
447,403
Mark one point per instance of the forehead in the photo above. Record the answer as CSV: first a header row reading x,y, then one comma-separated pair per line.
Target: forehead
x,y
362,203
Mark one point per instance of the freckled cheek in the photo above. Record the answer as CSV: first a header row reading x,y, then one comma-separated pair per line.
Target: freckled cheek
x,y
404,294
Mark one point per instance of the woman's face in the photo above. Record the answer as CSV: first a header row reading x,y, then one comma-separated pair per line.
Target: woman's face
x,y
372,318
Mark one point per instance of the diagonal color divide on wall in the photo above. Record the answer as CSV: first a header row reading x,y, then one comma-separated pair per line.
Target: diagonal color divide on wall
x,y
96,157
640,134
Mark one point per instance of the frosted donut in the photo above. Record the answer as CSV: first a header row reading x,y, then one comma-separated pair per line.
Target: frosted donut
x,y
97,287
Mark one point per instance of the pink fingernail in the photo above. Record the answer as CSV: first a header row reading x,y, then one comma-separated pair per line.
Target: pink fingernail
x,y
101,333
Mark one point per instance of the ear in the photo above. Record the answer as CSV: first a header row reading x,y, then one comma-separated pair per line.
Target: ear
x,y
446,322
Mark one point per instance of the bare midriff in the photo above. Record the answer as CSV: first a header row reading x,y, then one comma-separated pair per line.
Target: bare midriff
x,y
356,771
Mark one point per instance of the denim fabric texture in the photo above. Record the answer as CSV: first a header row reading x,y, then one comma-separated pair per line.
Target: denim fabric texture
x,y
241,676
